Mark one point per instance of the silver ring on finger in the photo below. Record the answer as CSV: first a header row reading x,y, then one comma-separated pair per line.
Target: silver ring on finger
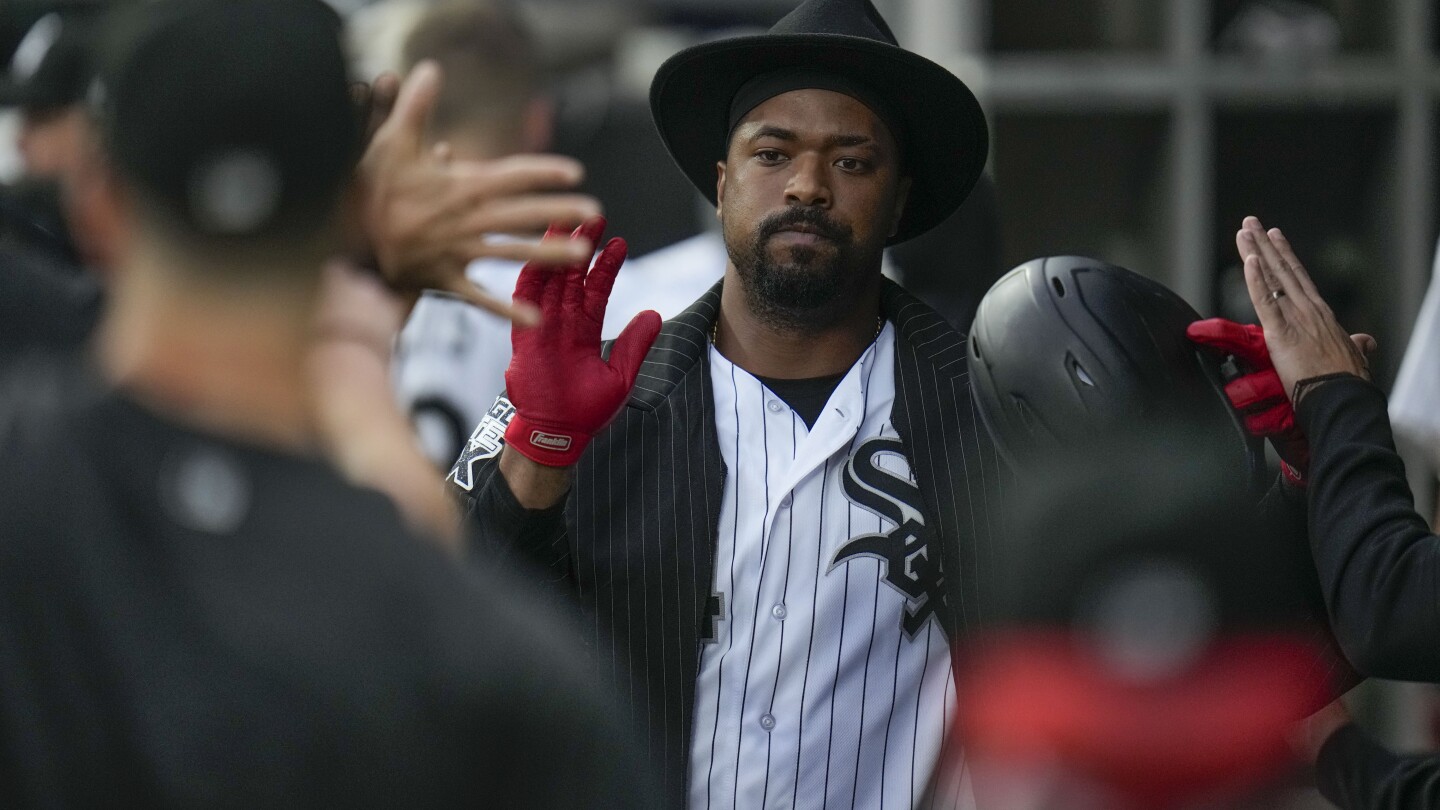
x,y
1276,295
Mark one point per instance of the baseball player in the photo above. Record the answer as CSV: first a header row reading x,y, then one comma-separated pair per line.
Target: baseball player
x,y
48,77
45,299
782,533
1376,557
451,357
195,610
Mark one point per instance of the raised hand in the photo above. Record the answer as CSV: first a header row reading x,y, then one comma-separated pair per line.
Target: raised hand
x,y
563,391
1305,341
427,216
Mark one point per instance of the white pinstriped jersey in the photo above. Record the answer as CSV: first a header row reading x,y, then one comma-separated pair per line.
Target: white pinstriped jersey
x,y
829,681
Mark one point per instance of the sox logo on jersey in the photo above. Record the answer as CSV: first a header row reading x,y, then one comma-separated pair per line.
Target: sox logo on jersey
x,y
910,567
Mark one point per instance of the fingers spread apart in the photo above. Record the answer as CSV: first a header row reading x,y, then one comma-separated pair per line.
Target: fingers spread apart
x,y
602,277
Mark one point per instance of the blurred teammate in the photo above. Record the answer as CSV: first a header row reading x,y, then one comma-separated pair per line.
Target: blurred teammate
x,y
495,103
782,533
195,610
45,298
1146,651
49,76
1377,559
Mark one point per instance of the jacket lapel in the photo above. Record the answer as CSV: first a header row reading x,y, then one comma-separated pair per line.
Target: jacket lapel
x,y
955,464
674,384
682,346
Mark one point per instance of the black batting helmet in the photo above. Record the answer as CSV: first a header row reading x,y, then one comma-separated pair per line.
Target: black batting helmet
x,y
1065,349
1076,363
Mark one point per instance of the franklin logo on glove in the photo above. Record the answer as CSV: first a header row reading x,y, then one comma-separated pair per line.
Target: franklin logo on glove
x,y
550,442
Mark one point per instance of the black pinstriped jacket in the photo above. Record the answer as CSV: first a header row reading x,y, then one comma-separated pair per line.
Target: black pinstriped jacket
x,y
636,538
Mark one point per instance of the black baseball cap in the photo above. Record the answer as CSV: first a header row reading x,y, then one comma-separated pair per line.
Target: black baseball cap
x,y
54,64
231,117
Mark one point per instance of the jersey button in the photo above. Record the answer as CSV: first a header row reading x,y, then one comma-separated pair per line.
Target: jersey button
x,y
774,406
779,612
767,721
785,501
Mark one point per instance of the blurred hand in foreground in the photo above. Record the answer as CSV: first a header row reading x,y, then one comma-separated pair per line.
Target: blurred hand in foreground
x,y
374,101
1305,341
428,216
360,428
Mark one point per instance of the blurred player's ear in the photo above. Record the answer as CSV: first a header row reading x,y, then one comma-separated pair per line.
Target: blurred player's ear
x,y
537,132
720,189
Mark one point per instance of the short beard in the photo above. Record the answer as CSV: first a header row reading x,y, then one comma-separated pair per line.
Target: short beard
x,y
810,291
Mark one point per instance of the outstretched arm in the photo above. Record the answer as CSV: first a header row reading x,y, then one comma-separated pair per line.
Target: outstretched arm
x,y
360,428
560,392
564,391
1379,565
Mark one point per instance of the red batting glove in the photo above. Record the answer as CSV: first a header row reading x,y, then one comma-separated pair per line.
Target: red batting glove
x,y
1258,395
562,390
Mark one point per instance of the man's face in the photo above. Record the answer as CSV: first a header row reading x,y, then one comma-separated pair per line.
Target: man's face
x,y
809,192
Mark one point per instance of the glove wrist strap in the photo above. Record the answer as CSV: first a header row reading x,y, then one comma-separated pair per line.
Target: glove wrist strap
x,y
547,445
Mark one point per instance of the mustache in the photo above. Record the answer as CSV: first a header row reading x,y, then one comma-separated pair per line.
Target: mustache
x,y
813,218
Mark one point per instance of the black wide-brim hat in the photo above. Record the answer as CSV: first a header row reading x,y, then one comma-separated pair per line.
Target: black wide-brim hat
x,y
945,136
